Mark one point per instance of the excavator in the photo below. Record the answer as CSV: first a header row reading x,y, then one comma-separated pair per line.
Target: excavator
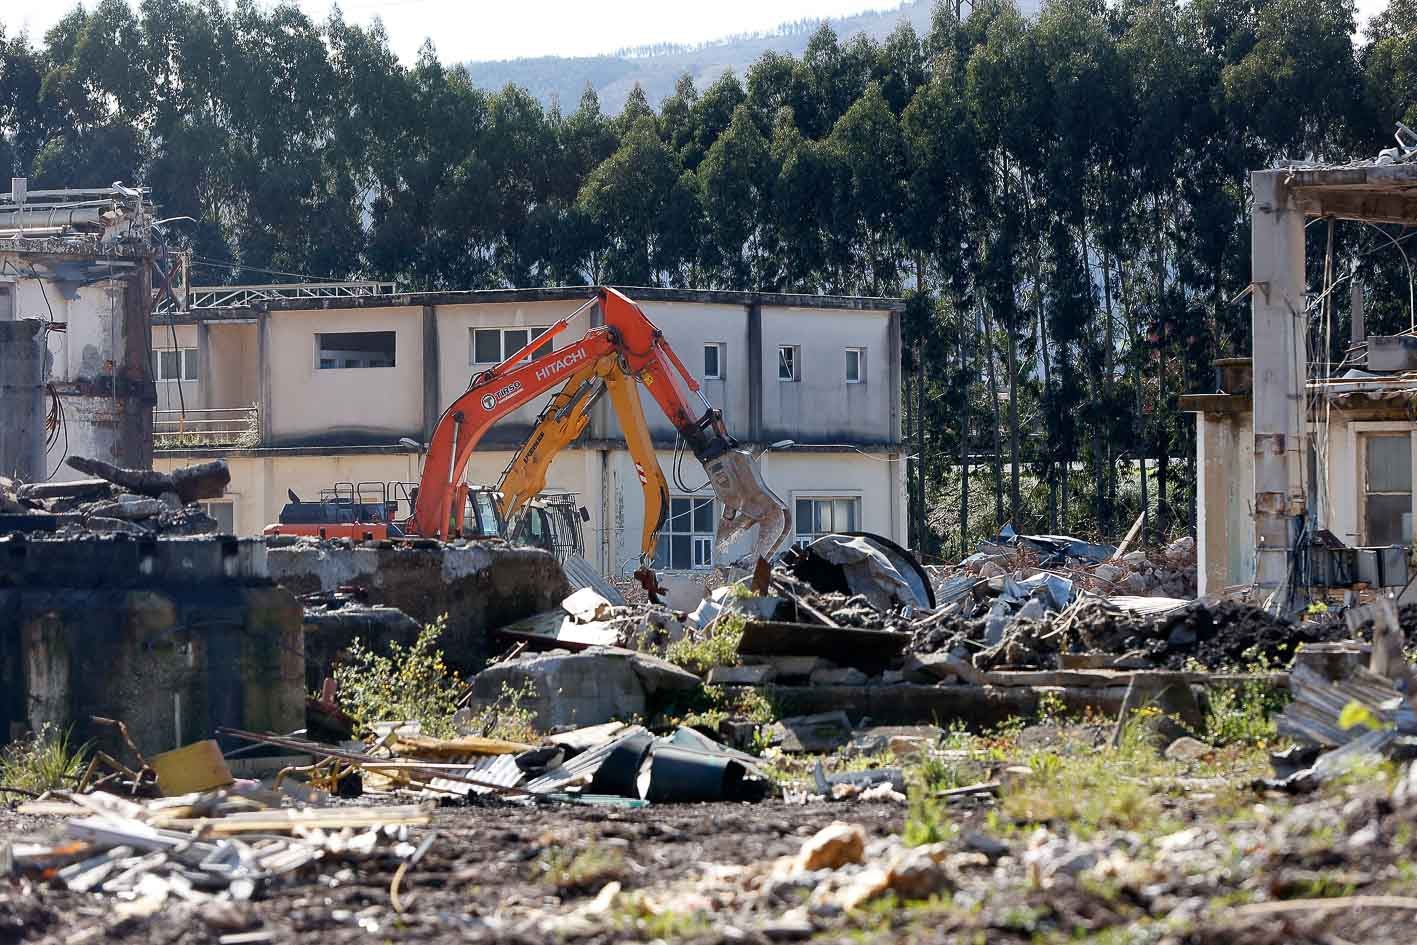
x,y
611,358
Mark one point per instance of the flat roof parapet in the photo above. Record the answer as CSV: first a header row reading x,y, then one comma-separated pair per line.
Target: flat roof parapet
x,y
543,294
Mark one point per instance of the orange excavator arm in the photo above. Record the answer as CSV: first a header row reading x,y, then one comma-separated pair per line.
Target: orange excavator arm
x,y
627,346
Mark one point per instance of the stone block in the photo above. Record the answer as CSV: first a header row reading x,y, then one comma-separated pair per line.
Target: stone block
x,y
842,676
820,733
742,675
568,689
797,666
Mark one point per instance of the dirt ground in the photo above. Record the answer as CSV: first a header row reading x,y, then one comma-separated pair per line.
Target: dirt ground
x,y
1101,846
483,876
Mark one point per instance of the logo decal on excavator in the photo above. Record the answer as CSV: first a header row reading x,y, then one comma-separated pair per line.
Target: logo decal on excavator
x,y
574,356
492,400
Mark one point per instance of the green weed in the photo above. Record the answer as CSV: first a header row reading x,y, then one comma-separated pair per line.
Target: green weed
x,y
927,821
408,683
585,870
1242,715
45,761
507,717
698,652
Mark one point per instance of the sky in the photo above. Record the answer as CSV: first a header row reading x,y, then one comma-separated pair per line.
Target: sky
x,y
465,30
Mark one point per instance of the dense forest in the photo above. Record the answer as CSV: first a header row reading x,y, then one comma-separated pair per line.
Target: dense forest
x,y
1062,198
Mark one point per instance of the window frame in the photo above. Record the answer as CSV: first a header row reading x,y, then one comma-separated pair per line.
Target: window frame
x,y
1364,432
701,542
718,357
182,365
802,538
533,332
320,351
796,367
223,500
860,365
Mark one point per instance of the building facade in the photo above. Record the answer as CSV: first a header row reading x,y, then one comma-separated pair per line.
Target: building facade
x,y
298,394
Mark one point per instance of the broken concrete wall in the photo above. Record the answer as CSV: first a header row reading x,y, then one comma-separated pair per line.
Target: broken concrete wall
x,y
172,636
99,363
22,400
480,586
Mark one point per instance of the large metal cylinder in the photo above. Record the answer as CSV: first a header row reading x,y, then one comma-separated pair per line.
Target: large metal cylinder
x,y
22,399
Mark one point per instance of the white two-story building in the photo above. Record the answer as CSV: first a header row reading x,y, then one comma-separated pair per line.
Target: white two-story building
x,y
299,393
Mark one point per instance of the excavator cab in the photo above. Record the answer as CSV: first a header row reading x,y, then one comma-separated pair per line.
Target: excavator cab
x,y
362,510
482,517
551,522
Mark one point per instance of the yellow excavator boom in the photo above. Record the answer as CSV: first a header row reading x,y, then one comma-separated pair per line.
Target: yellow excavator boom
x,y
564,418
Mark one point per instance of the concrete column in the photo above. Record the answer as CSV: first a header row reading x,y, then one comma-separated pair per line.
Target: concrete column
x,y
606,561
22,400
1278,340
755,372
134,436
894,355
1212,522
263,372
204,368
432,387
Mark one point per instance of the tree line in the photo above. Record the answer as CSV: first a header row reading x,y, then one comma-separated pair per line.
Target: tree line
x,y
1062,198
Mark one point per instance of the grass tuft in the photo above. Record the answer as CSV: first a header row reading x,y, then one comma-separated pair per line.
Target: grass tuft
x,y
585,871
45,761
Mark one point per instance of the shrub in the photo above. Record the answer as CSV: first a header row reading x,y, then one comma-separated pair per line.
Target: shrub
x,y
406,684
717,645
1242,715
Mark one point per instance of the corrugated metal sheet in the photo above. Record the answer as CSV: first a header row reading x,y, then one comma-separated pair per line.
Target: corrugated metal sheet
x,y
581,573
501,770
583,765
1146,606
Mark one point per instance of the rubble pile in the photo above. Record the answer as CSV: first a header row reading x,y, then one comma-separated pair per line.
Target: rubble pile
x,y
1169,572
116,500
856,610
214,849
1220,635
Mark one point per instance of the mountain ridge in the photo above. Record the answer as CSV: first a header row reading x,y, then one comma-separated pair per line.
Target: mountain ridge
x,y
657,67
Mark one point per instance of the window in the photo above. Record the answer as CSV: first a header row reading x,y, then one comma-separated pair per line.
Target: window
x,y
356,349
175,364
686,540
1387,487
224,511
713,361
817,517
789,358
855,365
7,304
495,345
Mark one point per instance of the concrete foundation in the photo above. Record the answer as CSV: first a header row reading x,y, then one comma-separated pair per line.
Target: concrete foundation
x,y
480,586
172,636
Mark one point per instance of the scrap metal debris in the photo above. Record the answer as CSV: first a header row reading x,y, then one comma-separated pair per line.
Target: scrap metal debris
x,y
226,845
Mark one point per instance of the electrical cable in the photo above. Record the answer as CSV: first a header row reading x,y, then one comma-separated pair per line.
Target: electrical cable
x,y
1411,292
